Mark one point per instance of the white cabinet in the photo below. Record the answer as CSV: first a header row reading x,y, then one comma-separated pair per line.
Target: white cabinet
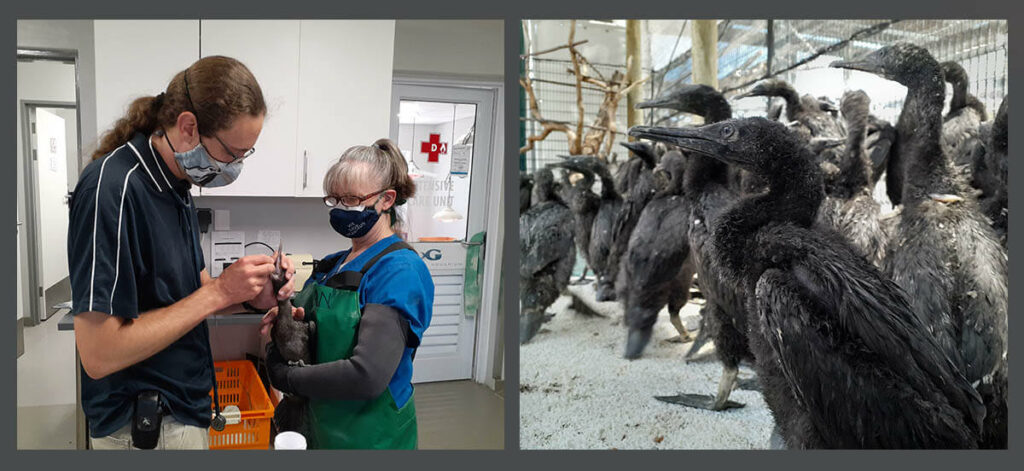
x,y
137,58
327,84
345,70
269,48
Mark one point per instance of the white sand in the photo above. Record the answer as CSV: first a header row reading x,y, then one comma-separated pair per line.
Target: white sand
x,y
576,390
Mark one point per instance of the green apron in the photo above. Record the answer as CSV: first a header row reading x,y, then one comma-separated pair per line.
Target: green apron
x,y
373,424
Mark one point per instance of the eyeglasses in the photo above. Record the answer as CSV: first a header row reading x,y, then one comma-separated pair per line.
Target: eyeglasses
x,y
234,158
349,200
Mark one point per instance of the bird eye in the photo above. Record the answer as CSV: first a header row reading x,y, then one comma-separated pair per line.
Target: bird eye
x,y
728,131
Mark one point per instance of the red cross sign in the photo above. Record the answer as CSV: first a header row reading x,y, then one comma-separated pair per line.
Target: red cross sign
x,y
433,147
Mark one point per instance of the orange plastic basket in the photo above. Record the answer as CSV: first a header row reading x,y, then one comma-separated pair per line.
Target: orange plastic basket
x,y
239,385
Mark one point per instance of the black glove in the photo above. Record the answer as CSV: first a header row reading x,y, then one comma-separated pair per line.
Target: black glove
x,y
278,370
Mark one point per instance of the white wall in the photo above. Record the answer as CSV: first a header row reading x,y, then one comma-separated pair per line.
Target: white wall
x,y
450,47
304,223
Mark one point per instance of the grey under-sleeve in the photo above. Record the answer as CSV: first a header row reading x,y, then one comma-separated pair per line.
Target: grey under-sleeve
x,y
380,342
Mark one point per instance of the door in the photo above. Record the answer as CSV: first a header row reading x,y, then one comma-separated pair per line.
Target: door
x,y
344,93
445,133
50,157
270,49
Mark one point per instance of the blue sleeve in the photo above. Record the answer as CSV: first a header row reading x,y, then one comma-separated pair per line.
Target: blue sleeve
x,y
404,285
101,248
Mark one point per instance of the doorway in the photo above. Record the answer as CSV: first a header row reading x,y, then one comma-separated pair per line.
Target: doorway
x,y
48,168
446,134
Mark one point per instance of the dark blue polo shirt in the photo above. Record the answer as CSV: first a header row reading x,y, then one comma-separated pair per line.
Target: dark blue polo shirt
x,y
133,246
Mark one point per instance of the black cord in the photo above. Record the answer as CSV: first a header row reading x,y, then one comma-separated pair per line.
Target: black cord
x,y
272,250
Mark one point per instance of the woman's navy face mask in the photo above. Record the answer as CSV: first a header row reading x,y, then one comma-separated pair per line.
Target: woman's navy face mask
x,y
354,222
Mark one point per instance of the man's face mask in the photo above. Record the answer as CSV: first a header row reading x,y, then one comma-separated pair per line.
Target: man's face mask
x,y
204,170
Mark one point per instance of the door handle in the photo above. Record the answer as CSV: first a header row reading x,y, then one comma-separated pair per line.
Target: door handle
x,y
305,167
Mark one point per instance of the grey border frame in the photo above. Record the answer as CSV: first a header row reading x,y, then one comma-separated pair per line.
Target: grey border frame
x,y
512,12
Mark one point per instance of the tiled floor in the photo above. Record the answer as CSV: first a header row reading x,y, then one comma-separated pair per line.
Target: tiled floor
x,y
460,415
451,415
46,388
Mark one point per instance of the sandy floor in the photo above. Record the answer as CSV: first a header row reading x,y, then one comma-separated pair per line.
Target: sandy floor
x,y
576,390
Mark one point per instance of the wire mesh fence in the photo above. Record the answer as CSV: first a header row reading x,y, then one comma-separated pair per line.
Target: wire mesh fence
x,y
554,85
798,51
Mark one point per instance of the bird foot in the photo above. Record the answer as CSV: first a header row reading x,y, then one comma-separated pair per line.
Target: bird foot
x,y
945,198
700,401
679,339
297,363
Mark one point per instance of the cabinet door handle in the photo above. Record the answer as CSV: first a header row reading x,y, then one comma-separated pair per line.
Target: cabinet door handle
x,y
305,166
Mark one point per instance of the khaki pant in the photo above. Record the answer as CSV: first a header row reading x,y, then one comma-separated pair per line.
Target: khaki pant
x,y
174,435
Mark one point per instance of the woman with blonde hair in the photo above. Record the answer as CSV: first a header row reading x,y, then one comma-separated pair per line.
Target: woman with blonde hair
x,y
371,304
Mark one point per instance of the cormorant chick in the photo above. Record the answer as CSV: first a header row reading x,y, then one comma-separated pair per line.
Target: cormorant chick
x,y
849,207
807,110
994,197
961,129
655,268
843,360
635,183
546,251
943,252
584,204
707,194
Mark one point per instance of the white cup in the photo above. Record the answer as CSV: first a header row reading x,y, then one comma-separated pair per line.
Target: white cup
x,y
289,441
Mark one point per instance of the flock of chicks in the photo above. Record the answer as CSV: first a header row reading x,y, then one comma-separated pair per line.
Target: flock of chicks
x,y
865,331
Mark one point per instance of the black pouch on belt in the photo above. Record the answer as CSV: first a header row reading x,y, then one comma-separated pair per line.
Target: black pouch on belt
x,y
146,420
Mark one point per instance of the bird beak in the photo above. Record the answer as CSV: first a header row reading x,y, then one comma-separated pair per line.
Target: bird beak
x,y
696,140
745,95
572,162
635,147
655,103
822,143
867,64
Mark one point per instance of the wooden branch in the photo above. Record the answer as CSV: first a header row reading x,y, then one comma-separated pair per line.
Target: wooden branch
x,y
587,61
524,56
526,84
579,84
549,128
604,86
630,86
567,84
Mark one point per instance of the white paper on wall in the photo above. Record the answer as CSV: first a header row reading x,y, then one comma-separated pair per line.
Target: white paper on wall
x,y
227,247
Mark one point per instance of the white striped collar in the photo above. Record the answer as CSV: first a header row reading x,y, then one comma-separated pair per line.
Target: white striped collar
x,y
146,167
